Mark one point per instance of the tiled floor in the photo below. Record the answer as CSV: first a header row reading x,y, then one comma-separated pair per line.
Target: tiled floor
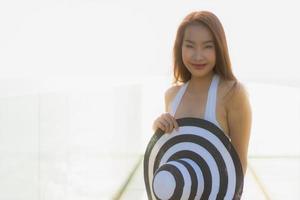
x,y
276,178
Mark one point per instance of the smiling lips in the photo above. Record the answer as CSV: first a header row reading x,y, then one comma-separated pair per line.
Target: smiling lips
x,y
199,66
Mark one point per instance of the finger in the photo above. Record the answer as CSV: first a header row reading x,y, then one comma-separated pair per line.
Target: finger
x,y
155,125
158,126
168,124
161,125
176,126
173,121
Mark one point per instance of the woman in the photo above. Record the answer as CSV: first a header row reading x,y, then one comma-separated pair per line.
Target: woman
x,y
200,59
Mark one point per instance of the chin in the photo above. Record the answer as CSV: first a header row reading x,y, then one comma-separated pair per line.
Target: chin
x,y
200,74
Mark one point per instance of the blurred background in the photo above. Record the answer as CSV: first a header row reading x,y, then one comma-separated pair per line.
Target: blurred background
x,y
82,81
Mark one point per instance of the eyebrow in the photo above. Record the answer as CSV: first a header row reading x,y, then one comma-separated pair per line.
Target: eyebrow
x,y
208,41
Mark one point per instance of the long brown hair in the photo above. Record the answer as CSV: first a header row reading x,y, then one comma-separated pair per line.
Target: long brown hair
x,y
211,21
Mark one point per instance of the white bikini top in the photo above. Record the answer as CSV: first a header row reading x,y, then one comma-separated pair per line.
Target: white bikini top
x,y
210,108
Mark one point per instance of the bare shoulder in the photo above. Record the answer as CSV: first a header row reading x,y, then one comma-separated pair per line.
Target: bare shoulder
x,y
170,94
239,96
233,93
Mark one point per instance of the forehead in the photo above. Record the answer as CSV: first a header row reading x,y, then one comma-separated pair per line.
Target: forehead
x,y
197,33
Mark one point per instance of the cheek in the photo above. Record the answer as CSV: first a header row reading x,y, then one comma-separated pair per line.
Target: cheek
x,y
186,54
213,53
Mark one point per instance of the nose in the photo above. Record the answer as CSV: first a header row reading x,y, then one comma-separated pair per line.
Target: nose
x,y
198,55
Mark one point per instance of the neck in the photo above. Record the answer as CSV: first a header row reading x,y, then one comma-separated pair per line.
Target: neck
x,y
199,85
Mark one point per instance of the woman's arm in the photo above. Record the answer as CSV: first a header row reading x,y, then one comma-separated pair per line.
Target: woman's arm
x,y
239,116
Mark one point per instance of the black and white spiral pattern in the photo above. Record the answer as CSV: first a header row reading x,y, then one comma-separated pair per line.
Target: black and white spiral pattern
x,y
196,162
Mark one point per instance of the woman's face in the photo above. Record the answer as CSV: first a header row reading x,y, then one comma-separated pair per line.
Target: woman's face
x,y
198,50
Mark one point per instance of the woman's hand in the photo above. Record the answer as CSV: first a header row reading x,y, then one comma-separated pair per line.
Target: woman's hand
x,y
165,122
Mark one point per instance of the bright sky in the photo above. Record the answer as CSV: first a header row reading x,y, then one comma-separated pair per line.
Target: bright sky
x,y
134,38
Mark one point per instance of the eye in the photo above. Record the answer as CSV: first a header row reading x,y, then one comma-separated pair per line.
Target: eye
x,y
208,47
189,46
